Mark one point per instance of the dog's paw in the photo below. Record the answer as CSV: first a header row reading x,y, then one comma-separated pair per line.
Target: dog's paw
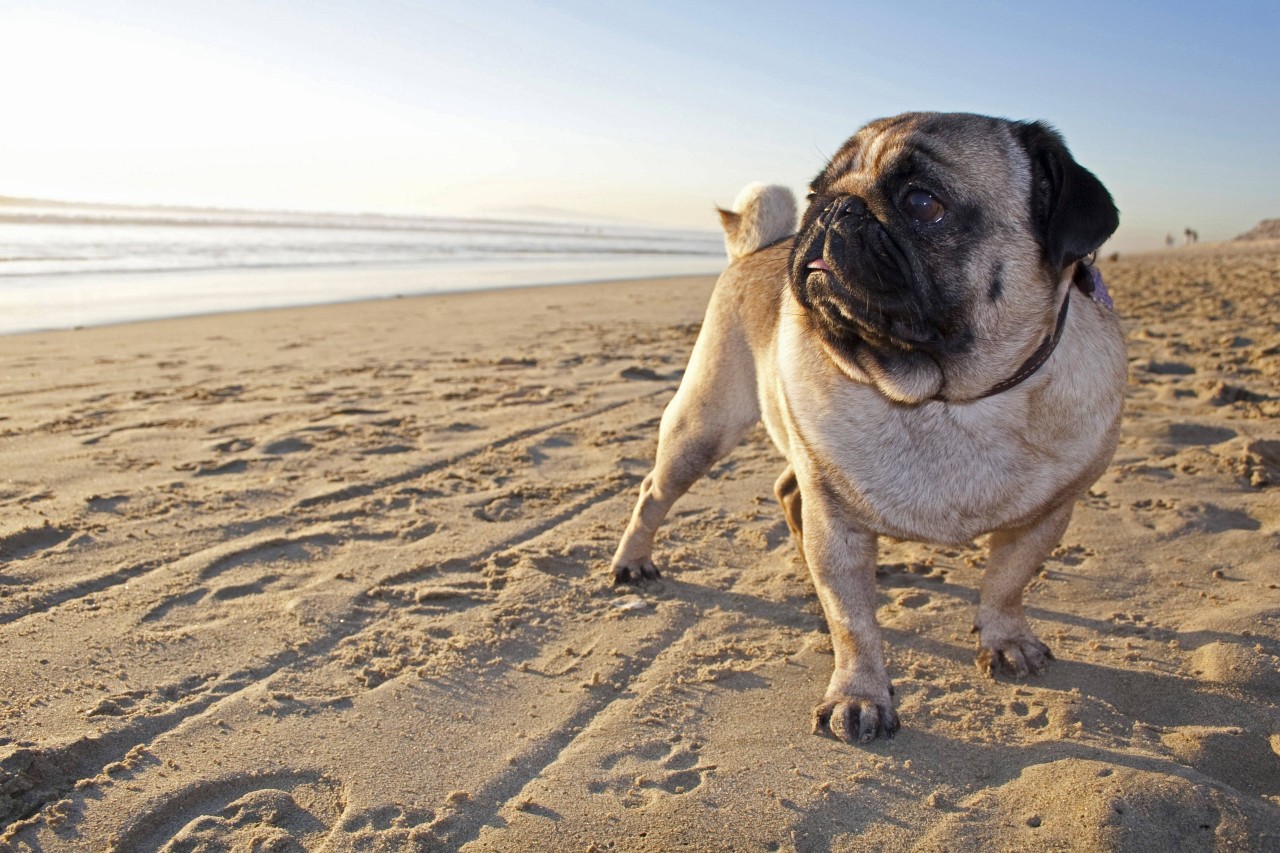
x,y
854,719
1007,646
635,571
1018,656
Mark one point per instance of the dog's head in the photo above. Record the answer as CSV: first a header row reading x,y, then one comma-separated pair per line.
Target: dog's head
x,y
935,248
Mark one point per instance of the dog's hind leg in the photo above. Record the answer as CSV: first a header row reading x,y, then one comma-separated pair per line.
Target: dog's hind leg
x,y
787,488
714,407
682,460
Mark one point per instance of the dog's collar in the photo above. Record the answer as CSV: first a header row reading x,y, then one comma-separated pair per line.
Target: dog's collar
x,y
1089,280
1037,359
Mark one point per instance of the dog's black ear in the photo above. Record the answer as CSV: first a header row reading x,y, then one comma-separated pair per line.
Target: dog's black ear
x,y
1072,209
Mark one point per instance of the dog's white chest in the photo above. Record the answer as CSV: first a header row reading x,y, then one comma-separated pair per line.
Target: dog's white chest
x,y
932,472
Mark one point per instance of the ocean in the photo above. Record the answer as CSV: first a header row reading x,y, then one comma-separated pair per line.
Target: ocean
x,y
63,266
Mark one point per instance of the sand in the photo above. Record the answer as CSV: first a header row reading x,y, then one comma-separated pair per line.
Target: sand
x,y
336,579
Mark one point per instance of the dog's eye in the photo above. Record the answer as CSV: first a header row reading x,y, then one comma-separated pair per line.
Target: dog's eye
x,y
922,207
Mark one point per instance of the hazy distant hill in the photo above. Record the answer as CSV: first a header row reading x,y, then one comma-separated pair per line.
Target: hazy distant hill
x,y
1267,229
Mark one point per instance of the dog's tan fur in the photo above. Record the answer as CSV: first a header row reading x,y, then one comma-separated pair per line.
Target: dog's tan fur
x,y
873,454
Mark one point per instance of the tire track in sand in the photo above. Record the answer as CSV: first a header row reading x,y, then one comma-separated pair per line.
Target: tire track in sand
x,y
32,778
47,597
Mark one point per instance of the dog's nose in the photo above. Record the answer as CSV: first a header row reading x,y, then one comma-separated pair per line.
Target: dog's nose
x,y
843,207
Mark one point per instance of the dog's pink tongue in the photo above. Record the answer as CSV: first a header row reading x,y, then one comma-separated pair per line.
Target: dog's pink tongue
x,y
818,264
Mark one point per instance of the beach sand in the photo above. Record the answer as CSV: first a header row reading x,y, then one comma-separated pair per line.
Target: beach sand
x,y
335,578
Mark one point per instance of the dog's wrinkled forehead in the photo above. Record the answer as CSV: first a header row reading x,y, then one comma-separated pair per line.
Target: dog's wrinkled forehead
x,y
867,150
972,154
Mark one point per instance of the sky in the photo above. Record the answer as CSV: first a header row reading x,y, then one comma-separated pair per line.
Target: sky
x,y
647,112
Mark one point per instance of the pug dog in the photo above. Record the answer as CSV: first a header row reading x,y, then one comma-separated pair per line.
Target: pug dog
x,y
936,359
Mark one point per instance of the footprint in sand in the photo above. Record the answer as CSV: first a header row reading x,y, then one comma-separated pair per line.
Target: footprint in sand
x,y
654,768
232,445
1033,716
109,504
1170,368
34,540
914,600
518,503
1209,518
1222,394
545,450
1198,434
267,567
383,818
280,812
286,445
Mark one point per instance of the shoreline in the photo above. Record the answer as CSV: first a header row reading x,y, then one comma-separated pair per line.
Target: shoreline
x,y
336,575
88,300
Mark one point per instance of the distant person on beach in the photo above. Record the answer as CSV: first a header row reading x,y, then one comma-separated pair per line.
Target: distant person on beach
x,y
1192,236
1168,240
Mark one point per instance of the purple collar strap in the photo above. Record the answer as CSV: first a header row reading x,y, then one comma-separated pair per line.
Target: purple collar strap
x,y
1097,291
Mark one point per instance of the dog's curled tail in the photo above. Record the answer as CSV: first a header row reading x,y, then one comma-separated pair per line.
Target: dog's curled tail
x,y
762,214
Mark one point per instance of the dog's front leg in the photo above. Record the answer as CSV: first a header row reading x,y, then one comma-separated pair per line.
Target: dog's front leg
x,y
1006,642
858,704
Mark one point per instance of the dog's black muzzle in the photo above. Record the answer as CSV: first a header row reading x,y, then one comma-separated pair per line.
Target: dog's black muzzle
x,y
851,275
